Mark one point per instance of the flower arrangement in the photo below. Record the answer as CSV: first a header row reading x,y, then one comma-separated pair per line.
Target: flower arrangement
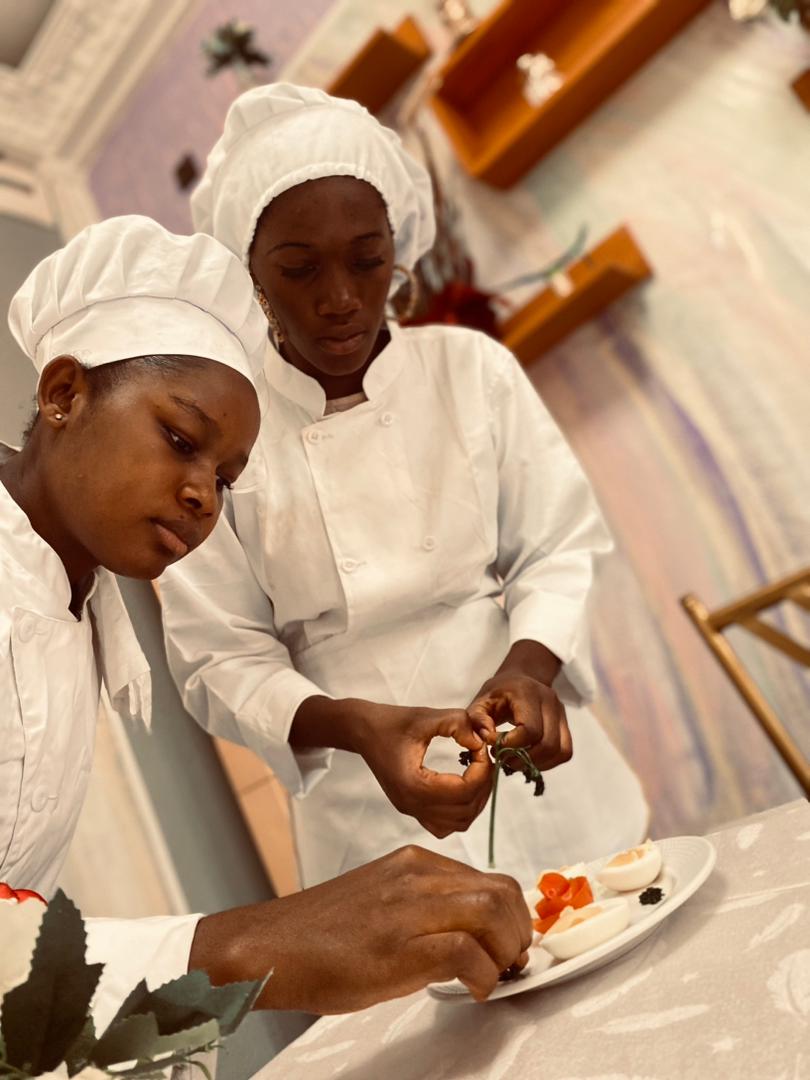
x,y
46,987
445,283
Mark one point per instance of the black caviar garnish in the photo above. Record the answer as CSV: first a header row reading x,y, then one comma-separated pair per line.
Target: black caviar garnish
x,y
506,770
465,758
514,971
651,895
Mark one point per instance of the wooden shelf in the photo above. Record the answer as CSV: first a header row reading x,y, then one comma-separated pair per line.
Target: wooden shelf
x,y
801,88
599,278
595,44
382,66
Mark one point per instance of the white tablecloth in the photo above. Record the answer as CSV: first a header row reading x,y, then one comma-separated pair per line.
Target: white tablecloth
x,y
721,991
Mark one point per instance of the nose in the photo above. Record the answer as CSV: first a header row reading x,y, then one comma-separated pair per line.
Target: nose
x,y
339,297
200,495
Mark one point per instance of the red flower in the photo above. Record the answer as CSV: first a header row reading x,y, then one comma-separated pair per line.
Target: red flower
x,y
20,895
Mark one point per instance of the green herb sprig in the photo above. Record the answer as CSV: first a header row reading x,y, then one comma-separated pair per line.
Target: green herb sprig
x,y
501,757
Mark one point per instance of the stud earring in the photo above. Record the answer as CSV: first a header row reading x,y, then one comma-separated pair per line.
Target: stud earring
x,y
270,315
58,416
406,312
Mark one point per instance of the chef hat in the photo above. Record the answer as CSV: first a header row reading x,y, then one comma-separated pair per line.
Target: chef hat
x,y
126,287
278,136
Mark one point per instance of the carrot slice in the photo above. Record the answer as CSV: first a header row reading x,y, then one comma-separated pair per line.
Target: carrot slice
x,y
553,885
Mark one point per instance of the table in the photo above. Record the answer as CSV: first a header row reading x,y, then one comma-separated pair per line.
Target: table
x,y
721,991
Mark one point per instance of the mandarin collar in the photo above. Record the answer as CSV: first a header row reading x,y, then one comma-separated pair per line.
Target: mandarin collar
x,y
307,392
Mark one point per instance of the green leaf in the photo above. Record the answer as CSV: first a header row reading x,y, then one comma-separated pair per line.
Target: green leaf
x,y
44,1016
191,1000
78,1054
157,1070
136,1038
133,1039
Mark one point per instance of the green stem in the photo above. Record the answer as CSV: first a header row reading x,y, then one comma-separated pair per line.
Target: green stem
x,y
491,860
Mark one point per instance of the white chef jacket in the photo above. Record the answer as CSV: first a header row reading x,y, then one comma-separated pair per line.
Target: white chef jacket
x,y
394,552
53,669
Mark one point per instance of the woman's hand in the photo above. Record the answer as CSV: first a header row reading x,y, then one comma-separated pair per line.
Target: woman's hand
x,y
538,714
379,932
394,746
393,740
520,693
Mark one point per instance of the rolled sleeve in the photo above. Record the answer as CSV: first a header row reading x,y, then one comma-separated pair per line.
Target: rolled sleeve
x,y
155,949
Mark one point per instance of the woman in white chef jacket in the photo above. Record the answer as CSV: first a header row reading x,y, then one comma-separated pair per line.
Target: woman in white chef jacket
x,y
123,470
412,533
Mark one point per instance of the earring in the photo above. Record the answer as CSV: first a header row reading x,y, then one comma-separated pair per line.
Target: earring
x,y
58,416
407,312
270,315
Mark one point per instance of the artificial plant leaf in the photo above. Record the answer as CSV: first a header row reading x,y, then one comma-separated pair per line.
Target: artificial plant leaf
x,y
146,1070
176,1005
191,1000
44,1016
134,1038
78,1054
231,1003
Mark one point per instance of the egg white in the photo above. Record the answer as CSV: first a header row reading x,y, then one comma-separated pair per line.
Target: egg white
x,y
613,917
634,875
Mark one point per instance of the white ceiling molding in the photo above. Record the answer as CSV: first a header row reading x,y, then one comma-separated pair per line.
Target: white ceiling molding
x,y
83,64
22,195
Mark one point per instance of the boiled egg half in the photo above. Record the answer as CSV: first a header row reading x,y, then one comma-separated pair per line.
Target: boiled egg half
x,y
576,931
635,868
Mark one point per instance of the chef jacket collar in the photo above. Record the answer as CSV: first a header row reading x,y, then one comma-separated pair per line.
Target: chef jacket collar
x,y
307,392
122,665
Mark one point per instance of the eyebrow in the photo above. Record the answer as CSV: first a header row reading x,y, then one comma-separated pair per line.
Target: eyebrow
x,y
300,244
195,410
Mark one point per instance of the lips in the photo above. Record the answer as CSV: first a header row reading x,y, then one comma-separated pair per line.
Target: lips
x,y
177,537
347,341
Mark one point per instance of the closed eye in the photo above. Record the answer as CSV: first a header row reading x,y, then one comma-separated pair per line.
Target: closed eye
x,y
181,445
369,264
297,271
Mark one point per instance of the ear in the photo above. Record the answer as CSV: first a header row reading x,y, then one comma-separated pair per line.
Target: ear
x,y
62,391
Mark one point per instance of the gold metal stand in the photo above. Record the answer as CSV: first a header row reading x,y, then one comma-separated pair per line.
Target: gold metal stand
x,y
745,612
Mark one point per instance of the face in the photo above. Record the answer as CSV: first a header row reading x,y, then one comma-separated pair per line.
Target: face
x,y
323,255
137,473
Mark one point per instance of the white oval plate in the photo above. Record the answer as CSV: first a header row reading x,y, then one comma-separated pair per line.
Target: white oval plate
x,y
688,861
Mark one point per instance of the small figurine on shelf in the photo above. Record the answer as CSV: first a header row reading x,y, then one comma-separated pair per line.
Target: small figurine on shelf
x,y
798,10
541,79
457,17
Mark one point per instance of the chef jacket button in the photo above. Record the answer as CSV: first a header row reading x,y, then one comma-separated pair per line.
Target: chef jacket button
x,y
429,543
348,565
26,629
313,436
387,419
39,799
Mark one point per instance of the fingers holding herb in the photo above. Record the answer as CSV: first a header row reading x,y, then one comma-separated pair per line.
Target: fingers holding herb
x,y
538,717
